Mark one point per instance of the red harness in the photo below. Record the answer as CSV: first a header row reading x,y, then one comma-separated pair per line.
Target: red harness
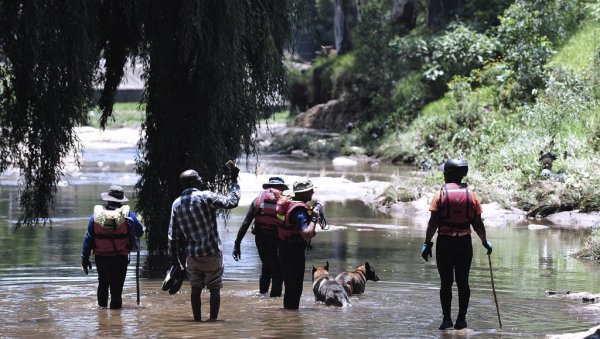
x,y
265,210
457,209
111,236
288,231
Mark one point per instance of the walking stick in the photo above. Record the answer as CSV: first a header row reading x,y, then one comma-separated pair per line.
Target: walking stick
x,y
494,290
137,274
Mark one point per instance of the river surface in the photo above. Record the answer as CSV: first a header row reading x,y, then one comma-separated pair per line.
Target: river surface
x,y
43,292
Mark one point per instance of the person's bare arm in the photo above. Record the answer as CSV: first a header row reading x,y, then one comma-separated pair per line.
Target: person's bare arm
x,y
479,228
309,232
432,226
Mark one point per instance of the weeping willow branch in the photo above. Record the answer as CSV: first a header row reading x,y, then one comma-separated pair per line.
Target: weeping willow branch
x,y
52,55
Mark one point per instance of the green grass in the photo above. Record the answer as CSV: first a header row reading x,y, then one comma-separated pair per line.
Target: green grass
x,y
280,117
125,114
578,53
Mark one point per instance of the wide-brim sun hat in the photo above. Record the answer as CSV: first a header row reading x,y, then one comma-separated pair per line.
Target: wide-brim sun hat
x,y
115,193
303,185
275,182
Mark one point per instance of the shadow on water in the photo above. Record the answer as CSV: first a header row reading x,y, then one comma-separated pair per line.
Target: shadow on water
x,y
42,289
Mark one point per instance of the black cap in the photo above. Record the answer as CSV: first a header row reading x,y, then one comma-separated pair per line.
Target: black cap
x,y
454,165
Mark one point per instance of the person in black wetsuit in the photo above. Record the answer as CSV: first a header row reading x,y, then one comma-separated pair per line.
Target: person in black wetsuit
x,y
454,209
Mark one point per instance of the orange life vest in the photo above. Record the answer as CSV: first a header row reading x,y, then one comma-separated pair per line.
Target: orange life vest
x,y
287,231
456,208
265,210
111,231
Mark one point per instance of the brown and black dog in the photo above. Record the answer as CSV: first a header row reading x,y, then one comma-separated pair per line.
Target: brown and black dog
x,y
354,282
326,289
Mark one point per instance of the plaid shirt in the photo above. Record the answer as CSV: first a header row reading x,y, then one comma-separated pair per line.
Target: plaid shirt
x,y
193,223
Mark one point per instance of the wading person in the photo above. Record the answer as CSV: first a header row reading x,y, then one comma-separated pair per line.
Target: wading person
x,y
294,235
454,209
193,228
112,232
263,211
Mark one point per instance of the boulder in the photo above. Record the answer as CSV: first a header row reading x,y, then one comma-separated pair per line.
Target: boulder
x,y
333,115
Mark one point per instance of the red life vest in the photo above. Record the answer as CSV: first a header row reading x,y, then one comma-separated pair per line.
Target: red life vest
x,y
111,231
265,210
456,208
287,231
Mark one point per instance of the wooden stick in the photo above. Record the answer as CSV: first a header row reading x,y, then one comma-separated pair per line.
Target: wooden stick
x,y
137,274
494,290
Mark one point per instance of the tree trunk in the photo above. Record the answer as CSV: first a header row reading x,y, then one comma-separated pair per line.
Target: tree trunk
x,y
342,33
404,12
359,5
439,12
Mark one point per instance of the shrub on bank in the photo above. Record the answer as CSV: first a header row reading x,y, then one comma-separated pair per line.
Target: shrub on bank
x,y
591,248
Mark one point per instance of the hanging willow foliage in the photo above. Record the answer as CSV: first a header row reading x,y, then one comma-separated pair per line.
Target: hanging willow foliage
x,y
213,69
52,55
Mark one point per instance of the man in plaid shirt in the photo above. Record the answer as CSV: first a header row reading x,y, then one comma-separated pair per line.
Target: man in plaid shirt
x,y
193,228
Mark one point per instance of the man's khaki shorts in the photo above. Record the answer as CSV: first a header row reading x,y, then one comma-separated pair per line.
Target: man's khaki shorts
x,y
206,271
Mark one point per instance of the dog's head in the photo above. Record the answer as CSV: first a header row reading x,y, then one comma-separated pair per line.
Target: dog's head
x,y
320,271
369,272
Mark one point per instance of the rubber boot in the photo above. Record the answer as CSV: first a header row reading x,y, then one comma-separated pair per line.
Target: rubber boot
x,y
215,303
446,323
461,319
460,324
196,303
276,287
263,283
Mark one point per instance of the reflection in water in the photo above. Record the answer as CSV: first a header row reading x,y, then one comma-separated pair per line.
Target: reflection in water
x,y
43,289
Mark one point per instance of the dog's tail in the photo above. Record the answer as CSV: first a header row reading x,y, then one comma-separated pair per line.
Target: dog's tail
x,y
336,297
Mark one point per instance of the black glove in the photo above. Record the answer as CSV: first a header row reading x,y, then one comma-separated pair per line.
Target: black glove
x,y
488,246
86,264
234,170
237,252
426,250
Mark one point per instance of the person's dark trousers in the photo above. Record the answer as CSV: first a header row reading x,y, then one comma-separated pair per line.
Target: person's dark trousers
x,y
111,275
454,256
292,259
271,271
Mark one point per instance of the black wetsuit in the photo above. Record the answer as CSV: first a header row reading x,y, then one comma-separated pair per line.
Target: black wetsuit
x,y
292,257
454,256
266,245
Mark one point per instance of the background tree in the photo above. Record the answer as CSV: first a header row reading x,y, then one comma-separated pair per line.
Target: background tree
x,y
214,68
440,12
344,18
404,12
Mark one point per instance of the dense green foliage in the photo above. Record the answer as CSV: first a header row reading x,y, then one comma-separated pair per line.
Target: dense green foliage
x,y
498,85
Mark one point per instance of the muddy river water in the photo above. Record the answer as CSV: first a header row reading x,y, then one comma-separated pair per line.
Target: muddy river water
x,y
43,292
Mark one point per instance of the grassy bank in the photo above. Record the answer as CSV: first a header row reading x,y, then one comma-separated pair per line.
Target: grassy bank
x,y
503,138
125,114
